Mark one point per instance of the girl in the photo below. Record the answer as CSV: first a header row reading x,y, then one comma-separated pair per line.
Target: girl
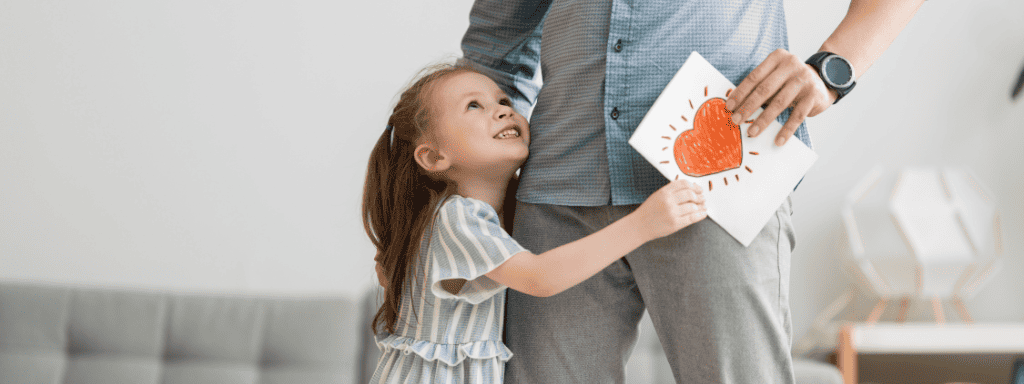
x,y
433,205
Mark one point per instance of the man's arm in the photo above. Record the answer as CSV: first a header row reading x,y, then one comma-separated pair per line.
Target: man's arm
x,y
784,80
503,41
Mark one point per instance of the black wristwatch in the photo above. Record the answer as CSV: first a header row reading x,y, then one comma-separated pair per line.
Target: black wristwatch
x,y
835,70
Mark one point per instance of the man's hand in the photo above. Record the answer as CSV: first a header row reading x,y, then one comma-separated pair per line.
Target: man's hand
x,y
781,81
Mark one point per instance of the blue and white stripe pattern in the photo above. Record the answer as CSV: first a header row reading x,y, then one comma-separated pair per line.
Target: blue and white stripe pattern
x,y
604,63
442,337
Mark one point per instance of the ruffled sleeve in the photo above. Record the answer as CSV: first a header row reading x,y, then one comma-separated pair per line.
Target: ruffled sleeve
x,y
467,242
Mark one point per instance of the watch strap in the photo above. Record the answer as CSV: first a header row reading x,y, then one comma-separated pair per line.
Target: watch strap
x,y
815,61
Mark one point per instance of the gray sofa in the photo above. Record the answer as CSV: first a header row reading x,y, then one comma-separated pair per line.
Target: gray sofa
x,y
56,334
51,334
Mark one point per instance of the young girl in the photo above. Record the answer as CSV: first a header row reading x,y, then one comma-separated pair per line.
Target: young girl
x,y
433,205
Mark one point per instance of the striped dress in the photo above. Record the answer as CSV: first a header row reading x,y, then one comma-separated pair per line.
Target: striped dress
x,y
452,338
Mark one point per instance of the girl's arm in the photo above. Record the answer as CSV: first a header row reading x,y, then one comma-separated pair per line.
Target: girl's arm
x,y
668,210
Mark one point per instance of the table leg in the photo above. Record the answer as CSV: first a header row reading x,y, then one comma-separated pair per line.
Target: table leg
x,y
847,355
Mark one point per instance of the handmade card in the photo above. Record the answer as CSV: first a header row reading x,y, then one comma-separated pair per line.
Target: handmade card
x,y
688,134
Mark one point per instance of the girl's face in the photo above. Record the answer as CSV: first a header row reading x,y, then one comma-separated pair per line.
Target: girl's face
x,y
475,125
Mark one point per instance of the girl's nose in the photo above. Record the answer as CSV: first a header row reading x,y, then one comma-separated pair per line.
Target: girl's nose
x,y
505,111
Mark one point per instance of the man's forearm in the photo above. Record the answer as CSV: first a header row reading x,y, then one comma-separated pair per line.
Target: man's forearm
x,y
503,40
868,29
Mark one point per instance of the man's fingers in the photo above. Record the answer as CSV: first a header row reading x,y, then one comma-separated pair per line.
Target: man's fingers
x,y
800,112
751,92
739,95
767,91
782,100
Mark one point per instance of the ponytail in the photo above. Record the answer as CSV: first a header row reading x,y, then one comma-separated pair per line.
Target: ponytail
x,y
399,197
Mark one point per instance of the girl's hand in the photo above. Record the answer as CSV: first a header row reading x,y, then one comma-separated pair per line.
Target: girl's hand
x,y
668,210
671,208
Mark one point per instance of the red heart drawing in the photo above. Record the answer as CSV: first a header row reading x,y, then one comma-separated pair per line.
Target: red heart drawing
x,y
713,145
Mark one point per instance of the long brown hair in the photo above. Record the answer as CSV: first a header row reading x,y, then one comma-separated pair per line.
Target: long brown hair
x,y
399,197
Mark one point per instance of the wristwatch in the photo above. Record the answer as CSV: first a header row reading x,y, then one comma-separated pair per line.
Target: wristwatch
x,y
835,70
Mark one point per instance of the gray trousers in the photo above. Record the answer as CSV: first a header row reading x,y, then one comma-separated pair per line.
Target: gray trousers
x,y
721,310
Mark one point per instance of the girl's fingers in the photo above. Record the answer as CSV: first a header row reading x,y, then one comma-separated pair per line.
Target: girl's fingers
x,y
687,196
695,217
699,200
691,208
678,185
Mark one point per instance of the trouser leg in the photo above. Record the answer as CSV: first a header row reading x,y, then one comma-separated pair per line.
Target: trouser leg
x,y
721,310
584,334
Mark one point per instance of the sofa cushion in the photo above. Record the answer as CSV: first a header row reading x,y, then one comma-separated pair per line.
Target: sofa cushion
x,y
117,322
33,318
292,375
215,328
31,368
68,335
202,372
311,330
102,369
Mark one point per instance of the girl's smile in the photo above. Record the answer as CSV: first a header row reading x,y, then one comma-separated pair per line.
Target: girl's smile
x,y
477,128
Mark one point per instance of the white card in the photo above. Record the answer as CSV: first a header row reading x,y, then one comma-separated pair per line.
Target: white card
x,y
744,179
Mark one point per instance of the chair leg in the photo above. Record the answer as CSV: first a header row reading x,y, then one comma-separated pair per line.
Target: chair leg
x,y
877,312
940,317
962,310
904,304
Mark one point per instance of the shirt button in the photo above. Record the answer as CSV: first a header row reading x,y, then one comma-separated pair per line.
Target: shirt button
x,y
615,113
618,46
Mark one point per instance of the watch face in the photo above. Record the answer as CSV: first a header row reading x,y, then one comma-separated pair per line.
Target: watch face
x,y
837,71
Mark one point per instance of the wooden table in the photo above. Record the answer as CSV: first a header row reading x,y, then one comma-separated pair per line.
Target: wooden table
x,y
924,338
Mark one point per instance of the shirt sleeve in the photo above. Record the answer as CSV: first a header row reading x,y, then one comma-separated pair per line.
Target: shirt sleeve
x,y
503,40
467,242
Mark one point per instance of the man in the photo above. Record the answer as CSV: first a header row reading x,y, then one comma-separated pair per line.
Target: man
x,y
721,310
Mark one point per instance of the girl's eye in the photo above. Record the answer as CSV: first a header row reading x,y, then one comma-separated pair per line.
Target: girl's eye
x,y
506,101
473,104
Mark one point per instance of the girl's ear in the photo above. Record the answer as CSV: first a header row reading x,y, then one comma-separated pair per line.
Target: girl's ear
x,y
430,158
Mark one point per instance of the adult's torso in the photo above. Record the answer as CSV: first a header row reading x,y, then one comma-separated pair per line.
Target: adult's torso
x,y
600,57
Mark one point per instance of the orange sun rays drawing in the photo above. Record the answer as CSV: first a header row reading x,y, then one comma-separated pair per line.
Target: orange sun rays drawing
x,y
714,144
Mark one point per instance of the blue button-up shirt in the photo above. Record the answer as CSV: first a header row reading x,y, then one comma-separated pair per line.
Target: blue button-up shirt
x,y
603,64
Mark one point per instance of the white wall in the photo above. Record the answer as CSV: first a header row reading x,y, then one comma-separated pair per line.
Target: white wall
x,y
221,145
200,145
939,96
